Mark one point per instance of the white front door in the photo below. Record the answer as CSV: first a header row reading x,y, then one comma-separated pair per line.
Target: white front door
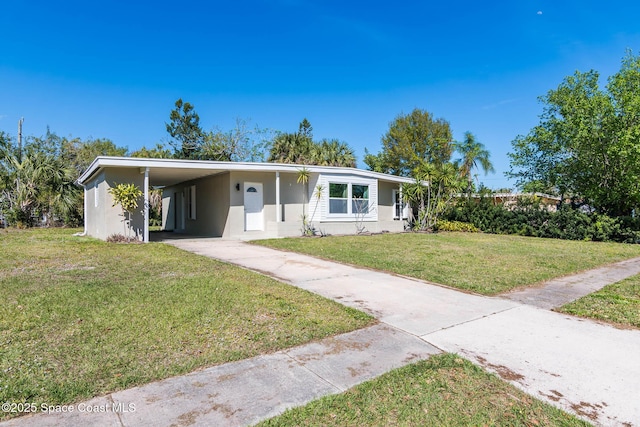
x,y
253,206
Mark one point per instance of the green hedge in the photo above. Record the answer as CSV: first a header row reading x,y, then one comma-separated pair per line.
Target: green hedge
x,y
529,218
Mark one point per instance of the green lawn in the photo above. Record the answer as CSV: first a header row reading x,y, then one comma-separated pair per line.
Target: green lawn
x,y
444,390
618,303
484,263
81,317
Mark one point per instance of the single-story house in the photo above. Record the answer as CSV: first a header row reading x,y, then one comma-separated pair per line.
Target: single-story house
x,y
241,200
510,200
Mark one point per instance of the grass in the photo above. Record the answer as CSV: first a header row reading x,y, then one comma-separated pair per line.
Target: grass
x,y
444,390
81,317
484,263
618,303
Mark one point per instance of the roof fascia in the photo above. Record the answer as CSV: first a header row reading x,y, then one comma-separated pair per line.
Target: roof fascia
x,y
136,162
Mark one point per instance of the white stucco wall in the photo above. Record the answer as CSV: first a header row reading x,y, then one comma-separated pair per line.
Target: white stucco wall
x,y
102,218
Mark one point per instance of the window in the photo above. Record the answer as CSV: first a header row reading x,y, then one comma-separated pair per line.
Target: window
x,y
191,201
338,198
96,195
348,199
360,199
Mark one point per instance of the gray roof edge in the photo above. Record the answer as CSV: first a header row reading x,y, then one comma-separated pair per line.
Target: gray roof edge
x,y
139,162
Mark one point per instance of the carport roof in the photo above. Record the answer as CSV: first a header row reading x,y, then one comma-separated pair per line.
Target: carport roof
x,y
166,172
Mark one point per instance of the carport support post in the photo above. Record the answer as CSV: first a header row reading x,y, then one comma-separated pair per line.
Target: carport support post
x,y
278,210
146,205
84,207
401,203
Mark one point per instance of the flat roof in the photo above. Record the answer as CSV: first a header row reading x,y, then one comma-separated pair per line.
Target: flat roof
x,y
166,172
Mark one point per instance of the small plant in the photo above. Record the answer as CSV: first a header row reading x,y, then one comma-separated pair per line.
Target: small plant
x,y
126,195
120,238
308,228
444,225
362,208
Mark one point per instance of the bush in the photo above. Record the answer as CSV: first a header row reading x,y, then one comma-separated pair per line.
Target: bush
x,y
444,225
121,238
529,218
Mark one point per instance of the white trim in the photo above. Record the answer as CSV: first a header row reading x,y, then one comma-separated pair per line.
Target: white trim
x,y
96,194
350,181
405,207
278,207
145,226
86,205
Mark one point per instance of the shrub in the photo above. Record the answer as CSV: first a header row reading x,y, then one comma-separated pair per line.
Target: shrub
x,y
529,218
444,225
121,238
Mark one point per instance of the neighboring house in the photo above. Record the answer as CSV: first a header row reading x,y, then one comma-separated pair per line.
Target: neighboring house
x,y
239,200
510,200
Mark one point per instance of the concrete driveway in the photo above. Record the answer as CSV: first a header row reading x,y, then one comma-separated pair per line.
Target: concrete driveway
x,y
584,367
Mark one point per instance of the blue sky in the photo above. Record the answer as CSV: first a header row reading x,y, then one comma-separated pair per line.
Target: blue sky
x,y
113,69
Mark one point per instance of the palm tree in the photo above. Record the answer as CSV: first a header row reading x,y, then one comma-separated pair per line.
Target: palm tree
x,y
474,155
34,184
291,148
333,153
300,148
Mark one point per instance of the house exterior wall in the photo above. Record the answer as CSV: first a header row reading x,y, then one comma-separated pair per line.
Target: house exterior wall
x,y
102,218
386,204
220,205
211,206
380,220
220,209
291,193
236,221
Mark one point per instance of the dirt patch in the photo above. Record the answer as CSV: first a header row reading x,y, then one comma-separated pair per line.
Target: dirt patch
x,y
504,372
227,377
337,347
554,395
361,370
550,373
585,409
187,419
411,357
225,410
152,399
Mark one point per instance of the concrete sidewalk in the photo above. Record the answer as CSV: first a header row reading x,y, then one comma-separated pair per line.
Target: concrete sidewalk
x,y
557,292
584,367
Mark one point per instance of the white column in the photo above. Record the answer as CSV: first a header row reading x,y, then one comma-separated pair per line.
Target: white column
x,y
85,209
401,216
278,208
146,205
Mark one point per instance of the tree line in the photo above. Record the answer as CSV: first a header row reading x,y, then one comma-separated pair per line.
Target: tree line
x,y
586,148
37,179
38,175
